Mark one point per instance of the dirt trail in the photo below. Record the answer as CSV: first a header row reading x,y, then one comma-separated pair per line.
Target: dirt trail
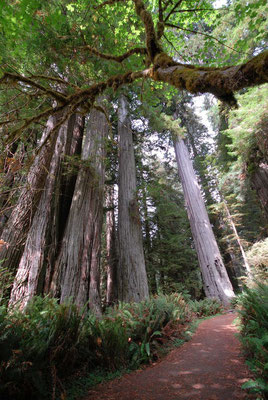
x,y
209,367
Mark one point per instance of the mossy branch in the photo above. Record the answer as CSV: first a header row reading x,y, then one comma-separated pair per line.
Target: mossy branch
x,y
82,99
10,77
222,82
152,45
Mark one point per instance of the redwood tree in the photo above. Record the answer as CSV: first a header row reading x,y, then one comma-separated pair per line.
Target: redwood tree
x,y
36,262
76,272
132,278
215,278
18,225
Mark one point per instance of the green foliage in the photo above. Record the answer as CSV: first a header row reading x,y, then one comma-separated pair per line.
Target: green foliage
x,y
41,346
144,322
247,127
44,346
257,257
242,151
206,307
254,335
6,282
171,260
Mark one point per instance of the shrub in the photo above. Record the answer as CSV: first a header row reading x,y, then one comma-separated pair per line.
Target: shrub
x,y
6,283
39,346
257,257
48,342
254,335
206,307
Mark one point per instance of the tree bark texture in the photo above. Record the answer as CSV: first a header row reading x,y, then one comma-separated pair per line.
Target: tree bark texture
x,y
42,238
132,277
63,194
111,249
20,220
215,279
77,268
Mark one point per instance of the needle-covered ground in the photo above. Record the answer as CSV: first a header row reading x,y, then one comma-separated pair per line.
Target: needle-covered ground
x,y
209,367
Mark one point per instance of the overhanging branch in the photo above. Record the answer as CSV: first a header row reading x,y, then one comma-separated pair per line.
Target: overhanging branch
x,y
221,82
10,77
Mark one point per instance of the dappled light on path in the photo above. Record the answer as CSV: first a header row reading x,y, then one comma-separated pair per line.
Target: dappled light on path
x,y
209,367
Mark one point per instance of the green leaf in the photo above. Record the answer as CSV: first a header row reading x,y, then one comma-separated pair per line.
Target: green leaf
x,y
147,348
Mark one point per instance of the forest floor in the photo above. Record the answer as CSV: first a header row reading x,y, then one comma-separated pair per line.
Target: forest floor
x,y
209,367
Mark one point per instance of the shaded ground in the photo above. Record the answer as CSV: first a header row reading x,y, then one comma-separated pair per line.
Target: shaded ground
x,y
209,367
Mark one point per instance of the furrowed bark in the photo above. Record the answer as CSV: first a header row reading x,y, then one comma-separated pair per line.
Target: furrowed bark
x,y
18,225
215,279
77,268
63,195
42,238
111,250
132,277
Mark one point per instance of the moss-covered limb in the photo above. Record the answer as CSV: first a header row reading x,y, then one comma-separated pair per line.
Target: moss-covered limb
x,y
15,134
82,99
152,45
10,77
120,58
222,82
89,94
160,24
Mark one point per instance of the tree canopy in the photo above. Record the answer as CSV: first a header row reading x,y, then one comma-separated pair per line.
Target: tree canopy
x,y
59,55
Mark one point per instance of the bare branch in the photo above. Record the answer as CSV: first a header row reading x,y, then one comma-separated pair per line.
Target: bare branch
x,y
198,9
53,79
119,59
174,48
173,9
160,10
204,34
166,5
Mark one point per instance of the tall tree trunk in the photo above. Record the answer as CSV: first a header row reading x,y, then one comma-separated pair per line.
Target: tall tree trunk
x,y
215,278
132,277
111,249
63,194
17,227
40,241
77,268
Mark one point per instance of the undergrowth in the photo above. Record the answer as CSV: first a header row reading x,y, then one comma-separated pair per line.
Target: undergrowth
x,y
253,310
50,344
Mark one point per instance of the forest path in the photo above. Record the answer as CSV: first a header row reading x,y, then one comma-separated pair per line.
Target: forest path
x,y
209,367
